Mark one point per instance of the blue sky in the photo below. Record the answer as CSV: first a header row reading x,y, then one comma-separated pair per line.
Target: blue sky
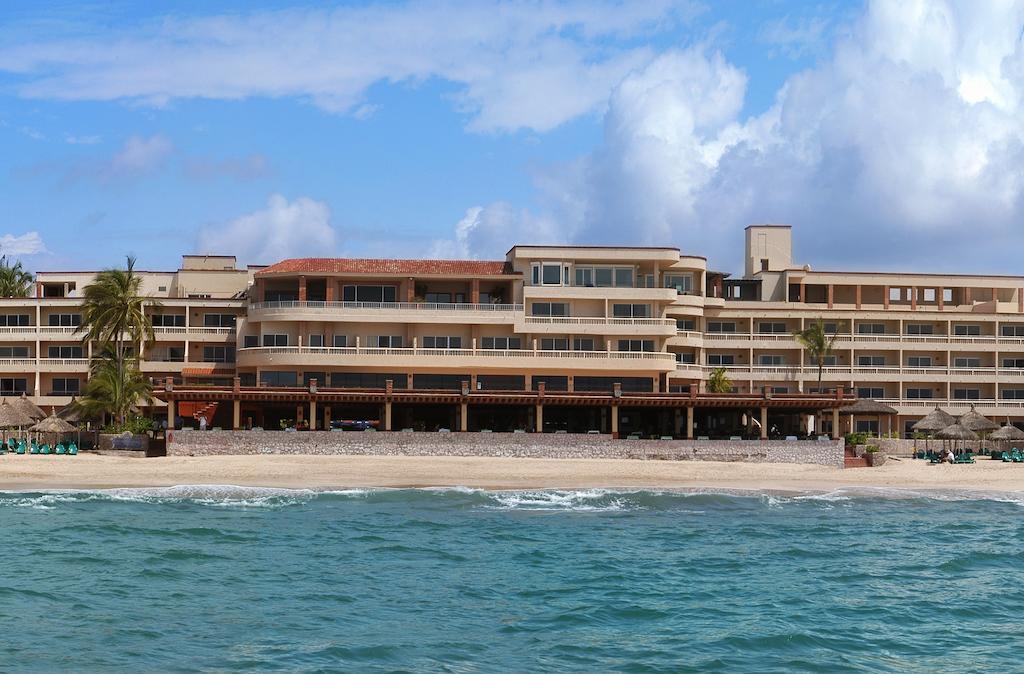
x,y
455,129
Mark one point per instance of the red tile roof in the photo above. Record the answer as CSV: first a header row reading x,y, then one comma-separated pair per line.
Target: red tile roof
x,y
334,265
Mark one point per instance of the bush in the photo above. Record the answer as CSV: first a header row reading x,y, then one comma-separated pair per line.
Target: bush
x,y
856,438
872,448
135,425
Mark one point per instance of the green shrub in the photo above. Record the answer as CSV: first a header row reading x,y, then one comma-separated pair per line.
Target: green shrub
x,y
856,438
135,425
872,448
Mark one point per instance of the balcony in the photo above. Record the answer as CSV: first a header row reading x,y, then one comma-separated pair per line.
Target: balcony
x,y
596,325
518,359
745,339
858,373
667,295
385,312
194,333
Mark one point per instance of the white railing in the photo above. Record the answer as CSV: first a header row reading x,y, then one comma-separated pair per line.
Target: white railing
x,y
462,353
598,320
812,370
386,306
872,338
932,403
689,334
196,330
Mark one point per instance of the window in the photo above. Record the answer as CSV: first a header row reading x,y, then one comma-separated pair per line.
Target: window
x,y
919,393
175,354
830,361
501,343
369,293
276,378
772,328
275,340
161,289
554,344
683,283
321,378
442,342
451,382
631,310
966,362
535,278
947,295
604,277
14,352
721,359
780,389
867,426
895,294
585,277
251,341
966,394
447,298
168,320
583,344
500,382
686,325
385,341
870,361
219,320
316,340
1012,394
368,380
718,326
929,294
1013,362
629,384
870,392
636,345
645,280
218,354
686,358
623,278
65,320
13,386
551,382
967,330
608,277
919,361
339,341
64,352
870,328
1012,330
14,320
770,360
549,309
66,386
920,329
551,274
831,328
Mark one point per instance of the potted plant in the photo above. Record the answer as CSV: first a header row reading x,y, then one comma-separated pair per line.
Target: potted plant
x,y
874,455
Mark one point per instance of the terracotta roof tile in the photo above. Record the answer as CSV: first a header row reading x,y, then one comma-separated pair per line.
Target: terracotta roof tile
x,y
334,265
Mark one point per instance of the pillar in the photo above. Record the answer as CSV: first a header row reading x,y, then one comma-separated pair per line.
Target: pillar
x,y
331,285
764,422
539,416
302,288
835,423
410,291
689,423
312,415
170,414
858,295
387,416
831,294
615,421
1020,300
463,416
967,296
474,291
298,414
802,295
940,297
885,296
913,298
236,414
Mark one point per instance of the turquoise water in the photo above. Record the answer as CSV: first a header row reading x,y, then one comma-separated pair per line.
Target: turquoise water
x,y
232,579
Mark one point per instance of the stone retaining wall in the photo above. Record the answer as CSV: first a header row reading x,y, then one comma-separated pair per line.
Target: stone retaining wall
x,y
524,445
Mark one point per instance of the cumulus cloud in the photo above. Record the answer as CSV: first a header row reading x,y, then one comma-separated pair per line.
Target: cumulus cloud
x,y
138,156
29,243
283,229
904,147
518,65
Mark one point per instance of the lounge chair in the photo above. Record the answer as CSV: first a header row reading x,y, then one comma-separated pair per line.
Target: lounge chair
x,y
1016,456
59,449
34,449
965,458
21,448
1006,458
72,449
45,449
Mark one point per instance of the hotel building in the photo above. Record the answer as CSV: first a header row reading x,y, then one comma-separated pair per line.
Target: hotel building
x,y
570,321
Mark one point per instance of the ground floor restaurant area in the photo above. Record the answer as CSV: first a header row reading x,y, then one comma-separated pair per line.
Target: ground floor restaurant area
x,y
617,412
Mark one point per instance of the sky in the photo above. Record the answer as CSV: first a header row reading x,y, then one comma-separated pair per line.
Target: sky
x,y
889,134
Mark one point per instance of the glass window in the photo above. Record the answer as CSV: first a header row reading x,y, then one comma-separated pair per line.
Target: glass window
x,y
168,320
438,298
686,325
536,274
219,320
583,344
966,361
721,359
501,343
65,320
64,352
369,293
870,328
218,354
683,283
316,340
1012,330
603,277
830,361
771,360
686,358
920,329
340,341
554,344
584,276
636,345
966,394
277,378
919,361
772,328
385,341
251,341
14,352
870,361
551,274
870,392
275,340
549,309
623,277
967,330
631,310
718,326
919,393
442,342
13,386
1013,362
1012,394
66,386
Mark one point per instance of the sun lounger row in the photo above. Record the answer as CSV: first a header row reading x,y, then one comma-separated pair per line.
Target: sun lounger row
x,y
24,447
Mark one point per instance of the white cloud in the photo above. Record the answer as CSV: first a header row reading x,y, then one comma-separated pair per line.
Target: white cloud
x,y
283,229
491,231
137,157
29,243
529,65
81,140
905,147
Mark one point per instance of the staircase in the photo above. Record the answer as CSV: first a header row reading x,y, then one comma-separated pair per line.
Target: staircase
x,y
196,410
851,460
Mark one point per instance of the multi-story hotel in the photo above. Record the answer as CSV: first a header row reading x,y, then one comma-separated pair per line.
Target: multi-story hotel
x,y
562,319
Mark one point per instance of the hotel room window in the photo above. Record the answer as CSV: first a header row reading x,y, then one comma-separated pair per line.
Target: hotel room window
x,y
830,361
870,392
919,361
870,361
176,354
683,283
275,340
369,293
966,394
583,344
59,352
66,386
168,320
721,359
554,344
718,326
1015,363
947,295
549,309
967,362
278,378
218,354
771,360
1012,330
339,341
316,340
13,386
14,320
928,295
631,310
14,352
895,294
219,320
919,394
551,274
250,341
871,328
920,329
686,358
623,277
501,343
636,345
385,341
967,330
1012,394
65,320
585,277
686,325
772,328
442,342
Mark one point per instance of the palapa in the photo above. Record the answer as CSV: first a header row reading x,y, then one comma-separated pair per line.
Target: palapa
x,y
1007,432
977,422
867,407
935,421
29,408
53,424
956,432
12,417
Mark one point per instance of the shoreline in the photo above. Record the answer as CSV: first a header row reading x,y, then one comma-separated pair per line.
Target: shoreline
x,y
319,472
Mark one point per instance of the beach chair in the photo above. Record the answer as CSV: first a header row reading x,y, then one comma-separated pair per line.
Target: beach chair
x,y
72,449
34,449
1016,456
965,458
1006,458
59,449
45,449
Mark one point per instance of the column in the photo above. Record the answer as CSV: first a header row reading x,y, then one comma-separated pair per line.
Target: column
x,y
885,296
474,291
689,423
968,299
331,285
387,415
312,414
463,416
835,423
170,414
800,297
913,298
302,288
615,421
764,422
858,291
831,294
1020,300
539,416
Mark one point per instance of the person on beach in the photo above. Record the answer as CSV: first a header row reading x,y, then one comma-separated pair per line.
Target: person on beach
x,y
950,456
202,423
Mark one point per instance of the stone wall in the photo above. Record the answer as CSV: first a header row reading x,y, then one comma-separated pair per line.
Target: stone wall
x,y
525,445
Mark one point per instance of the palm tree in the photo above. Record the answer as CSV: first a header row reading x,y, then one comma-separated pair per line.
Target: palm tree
x,y
114,318
14,280
719,381
114,388
818,344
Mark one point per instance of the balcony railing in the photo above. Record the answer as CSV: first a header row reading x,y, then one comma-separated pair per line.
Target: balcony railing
x,y
812,370
200,330
471,353
598,320
874,338
386,306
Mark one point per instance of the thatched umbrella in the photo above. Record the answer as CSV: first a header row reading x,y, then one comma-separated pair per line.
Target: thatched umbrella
x,y
53,425
933,423
956,432
1007,434
71,412
12,417
29,408
867,407
977,422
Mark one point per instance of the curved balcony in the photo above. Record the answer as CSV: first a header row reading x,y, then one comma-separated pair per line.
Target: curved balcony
x,y
518,359
194,333
602,293
932,342
599,325
384,312
858,373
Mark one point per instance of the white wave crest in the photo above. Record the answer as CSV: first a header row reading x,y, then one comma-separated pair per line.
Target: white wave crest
x,y
589,500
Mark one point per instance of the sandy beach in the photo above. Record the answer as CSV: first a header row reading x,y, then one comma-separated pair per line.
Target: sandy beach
x,y
327,472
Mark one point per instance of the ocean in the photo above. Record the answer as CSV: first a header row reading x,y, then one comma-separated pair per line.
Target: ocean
x,y
227,579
